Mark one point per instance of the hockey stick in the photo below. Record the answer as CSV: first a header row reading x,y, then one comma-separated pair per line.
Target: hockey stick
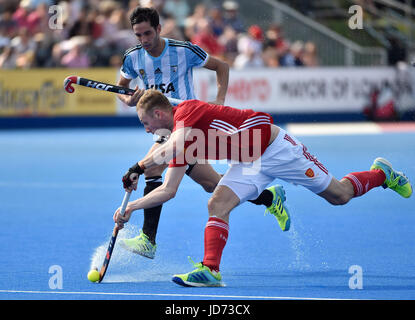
x,y
71,80
113,239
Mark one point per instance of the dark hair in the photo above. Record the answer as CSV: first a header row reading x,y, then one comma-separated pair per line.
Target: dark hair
x,y
140,14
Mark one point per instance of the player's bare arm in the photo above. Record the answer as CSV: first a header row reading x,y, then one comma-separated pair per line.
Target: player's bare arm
x,y
158,196
162,155
222,78
167,151
129,100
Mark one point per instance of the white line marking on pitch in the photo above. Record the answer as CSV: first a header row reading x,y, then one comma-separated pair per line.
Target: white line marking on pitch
x,y
165,295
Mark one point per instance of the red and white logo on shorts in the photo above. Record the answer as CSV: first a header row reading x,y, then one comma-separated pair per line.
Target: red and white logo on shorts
x,y
309,173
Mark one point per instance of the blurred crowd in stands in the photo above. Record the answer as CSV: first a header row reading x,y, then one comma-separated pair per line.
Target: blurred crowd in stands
x,y
93,33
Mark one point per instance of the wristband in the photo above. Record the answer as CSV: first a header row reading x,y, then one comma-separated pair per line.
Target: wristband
x,y
137,168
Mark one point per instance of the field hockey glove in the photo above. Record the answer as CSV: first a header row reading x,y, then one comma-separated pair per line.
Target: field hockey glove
x,y
136,168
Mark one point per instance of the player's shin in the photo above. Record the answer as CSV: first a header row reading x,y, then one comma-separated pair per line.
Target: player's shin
x,y
366,180
265,198
152,215
216,236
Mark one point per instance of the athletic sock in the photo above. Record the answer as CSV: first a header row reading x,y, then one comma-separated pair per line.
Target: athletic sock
x,y
216,235
265,198
364,181
151,215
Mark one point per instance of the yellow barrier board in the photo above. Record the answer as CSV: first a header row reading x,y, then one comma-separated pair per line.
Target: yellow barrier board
x,y
39,92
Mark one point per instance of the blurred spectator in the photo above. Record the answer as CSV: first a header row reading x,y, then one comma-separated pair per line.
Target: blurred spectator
x,y
119,18
179,10
21,14
4,39
255,32
113,18
132,4
229,40
156,4
76,57
171,30
108,23
82,26
274,37
8,25
71,10
250,49
93,23
25,60
216,21
191,23
44,44
6,59
310,58
231,16
56,56
291,56
37,20
270,57
205,39
23,49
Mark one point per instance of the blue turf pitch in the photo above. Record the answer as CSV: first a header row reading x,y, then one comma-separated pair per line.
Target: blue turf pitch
x,y
59,189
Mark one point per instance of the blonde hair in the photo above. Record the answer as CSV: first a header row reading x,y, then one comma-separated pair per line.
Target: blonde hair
x,y
153,99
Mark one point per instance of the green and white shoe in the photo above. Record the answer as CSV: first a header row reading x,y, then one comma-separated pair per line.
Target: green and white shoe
x,y
397,181
140,245
202,276
277,208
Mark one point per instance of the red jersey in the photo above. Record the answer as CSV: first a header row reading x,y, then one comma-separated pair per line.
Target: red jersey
x,y
221,132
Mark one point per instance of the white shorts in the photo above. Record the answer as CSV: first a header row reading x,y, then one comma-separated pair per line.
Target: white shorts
x,y
287,159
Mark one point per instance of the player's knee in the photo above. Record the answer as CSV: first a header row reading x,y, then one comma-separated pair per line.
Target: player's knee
x,y
337,193
212,205
216,208
338,200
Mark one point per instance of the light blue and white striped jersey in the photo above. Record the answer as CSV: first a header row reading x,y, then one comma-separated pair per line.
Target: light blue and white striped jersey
x,y
171,72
